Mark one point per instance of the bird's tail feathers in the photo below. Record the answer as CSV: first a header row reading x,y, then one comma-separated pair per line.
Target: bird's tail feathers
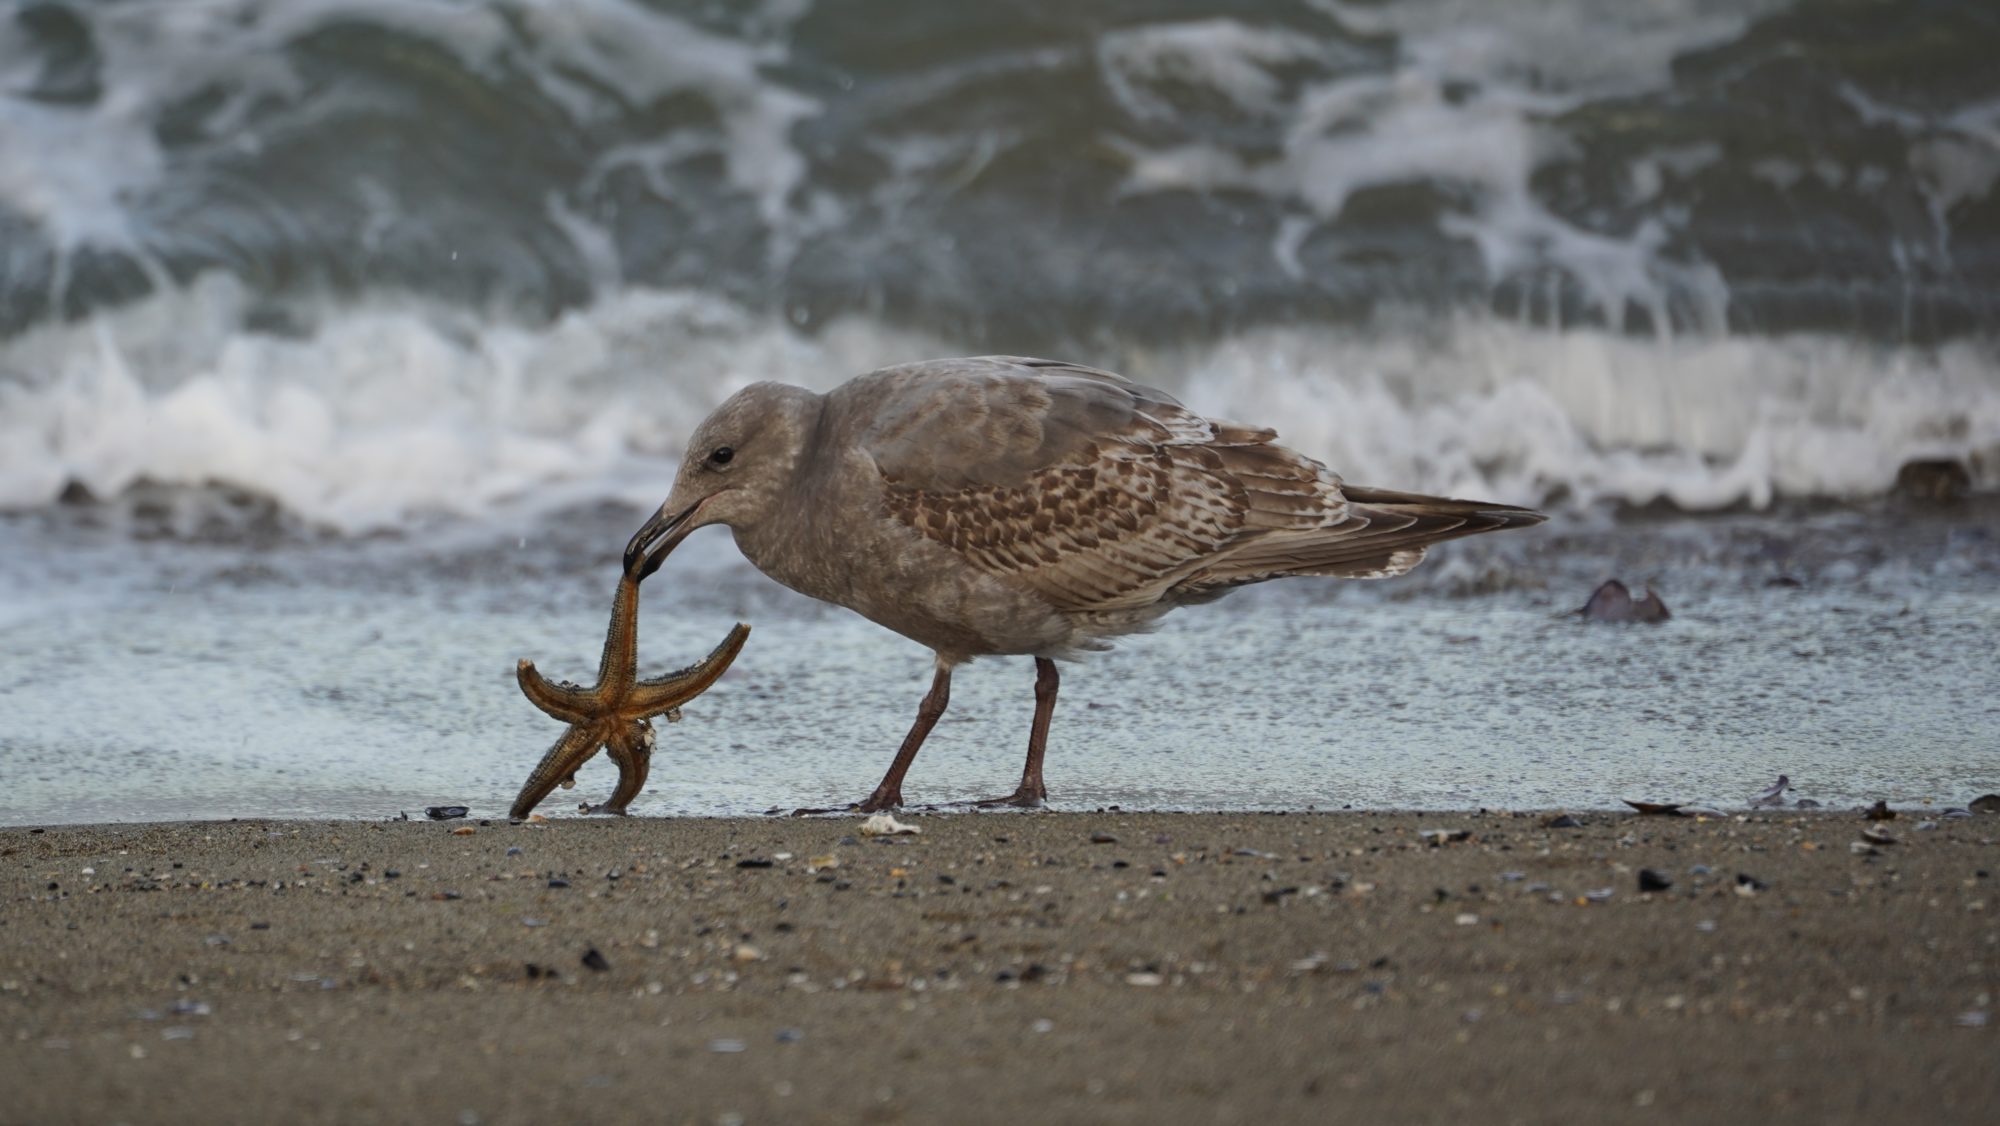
x,y
1386,533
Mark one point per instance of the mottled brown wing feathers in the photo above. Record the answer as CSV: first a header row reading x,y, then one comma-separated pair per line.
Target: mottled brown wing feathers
x,y
1103,494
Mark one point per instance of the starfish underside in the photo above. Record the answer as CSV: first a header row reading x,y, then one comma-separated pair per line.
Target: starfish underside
x,y
617,713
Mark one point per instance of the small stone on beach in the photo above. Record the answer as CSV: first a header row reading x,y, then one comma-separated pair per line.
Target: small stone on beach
x,y
1772,795
1657,809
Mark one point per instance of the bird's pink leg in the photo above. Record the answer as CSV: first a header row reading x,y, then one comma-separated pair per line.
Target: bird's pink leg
x,y
889,792
1032,794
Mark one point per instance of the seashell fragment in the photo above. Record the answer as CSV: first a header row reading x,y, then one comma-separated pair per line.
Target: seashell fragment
x,y
1773,794
1876,834
884,825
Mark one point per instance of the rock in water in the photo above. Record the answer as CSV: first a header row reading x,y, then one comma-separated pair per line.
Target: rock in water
x,y
1613,602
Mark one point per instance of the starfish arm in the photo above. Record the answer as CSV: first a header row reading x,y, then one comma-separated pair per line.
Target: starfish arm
x,y
619,667
632,750
569,752
659,695
564,702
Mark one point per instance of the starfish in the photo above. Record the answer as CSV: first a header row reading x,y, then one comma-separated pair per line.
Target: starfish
x,y
617,713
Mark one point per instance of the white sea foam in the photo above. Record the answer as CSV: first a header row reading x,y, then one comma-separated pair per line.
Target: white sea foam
x,y
1468,105
382,411
76,167
1495,409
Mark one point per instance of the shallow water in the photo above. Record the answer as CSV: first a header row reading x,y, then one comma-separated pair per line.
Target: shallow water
x,y
366,679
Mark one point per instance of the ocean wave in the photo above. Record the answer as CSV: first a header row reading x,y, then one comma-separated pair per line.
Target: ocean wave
x,y
1020,173
366,417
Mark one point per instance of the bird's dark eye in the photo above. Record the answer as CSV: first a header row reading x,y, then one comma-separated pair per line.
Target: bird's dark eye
x,y
721,456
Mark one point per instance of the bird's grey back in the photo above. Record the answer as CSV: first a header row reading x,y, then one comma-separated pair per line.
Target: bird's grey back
x,y
985,420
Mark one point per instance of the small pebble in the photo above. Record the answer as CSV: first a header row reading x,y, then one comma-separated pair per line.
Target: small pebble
x,y
1650,880
534,922
1562,821
594,960
1103,838
727,1047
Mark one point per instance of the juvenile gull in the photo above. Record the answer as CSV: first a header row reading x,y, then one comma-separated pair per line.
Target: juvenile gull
x,y
1002,505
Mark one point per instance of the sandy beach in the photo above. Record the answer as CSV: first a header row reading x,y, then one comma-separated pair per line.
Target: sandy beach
x,y
1077,967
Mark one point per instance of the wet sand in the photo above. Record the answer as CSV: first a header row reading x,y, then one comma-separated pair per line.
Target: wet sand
x,y
1099,967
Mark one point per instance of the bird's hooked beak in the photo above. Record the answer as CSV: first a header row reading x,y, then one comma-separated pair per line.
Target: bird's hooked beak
x,y
657,538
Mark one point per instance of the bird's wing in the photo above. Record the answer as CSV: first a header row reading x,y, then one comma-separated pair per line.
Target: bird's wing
x,y
1098,492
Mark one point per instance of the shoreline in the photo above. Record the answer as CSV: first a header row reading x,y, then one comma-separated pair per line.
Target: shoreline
x,y
1191,967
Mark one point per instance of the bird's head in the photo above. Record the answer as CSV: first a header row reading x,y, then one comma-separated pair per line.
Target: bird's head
x,y
738,465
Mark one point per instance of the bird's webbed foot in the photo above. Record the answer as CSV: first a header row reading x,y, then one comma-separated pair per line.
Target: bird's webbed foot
x,y
881,801
1023,798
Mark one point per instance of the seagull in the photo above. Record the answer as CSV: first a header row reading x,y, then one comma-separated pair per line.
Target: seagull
x,y
1001,505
